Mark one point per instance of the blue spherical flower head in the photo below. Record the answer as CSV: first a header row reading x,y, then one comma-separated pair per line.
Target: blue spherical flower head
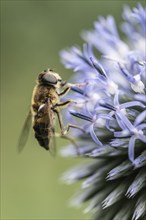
x,y
111,108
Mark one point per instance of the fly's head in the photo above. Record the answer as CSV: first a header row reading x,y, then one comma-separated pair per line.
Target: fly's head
x,y
50,78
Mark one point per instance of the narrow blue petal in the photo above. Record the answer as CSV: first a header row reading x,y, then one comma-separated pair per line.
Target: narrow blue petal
x,y
141,126
131,104
106,105
116,99
105,116
120,122
140,118
140,97
108,122
140,15
131,148
117,142
127,74
94,137
77,89
126,121
142,138
121,134
80,115
98,67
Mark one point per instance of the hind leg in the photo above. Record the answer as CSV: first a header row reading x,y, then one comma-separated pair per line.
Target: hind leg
x,y
63,129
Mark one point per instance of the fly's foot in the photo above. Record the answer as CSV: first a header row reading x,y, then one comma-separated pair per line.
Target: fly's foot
x,y
65,131
70,85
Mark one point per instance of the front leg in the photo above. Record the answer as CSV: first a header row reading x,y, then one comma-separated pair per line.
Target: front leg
x,y
69,86
64,91
63,103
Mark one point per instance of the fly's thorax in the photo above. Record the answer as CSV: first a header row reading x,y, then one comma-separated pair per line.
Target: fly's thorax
x,y
53,97
39,96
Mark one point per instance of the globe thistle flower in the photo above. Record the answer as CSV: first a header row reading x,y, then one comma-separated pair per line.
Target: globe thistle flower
x,y
110,107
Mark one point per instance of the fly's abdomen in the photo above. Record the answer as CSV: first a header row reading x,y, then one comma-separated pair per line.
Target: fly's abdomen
x,y
41,134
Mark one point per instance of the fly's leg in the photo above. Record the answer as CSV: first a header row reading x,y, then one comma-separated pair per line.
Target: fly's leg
x,y
64,91
64,131
77,84
59,120
64,103
72,126
69,139
69,87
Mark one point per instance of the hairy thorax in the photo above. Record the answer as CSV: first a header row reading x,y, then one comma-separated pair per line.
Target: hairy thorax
x,y
41,95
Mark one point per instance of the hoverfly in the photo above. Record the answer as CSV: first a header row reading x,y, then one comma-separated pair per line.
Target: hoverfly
x,y
45,106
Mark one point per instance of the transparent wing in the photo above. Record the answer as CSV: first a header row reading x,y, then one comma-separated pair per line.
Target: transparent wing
x,y
24,132
52,145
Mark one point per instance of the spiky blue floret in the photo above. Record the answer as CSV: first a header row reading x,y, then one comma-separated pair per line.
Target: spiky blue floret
x,y
110,107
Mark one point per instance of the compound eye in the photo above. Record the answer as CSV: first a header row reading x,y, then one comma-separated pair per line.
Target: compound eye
x,y
49,79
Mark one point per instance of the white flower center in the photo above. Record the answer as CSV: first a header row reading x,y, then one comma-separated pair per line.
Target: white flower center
x,y
137,132
100,123
138,87
112,87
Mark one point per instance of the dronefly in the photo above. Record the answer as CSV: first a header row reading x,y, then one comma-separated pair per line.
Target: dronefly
x,y
45,106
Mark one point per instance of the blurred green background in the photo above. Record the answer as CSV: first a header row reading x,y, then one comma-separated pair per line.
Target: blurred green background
x,y
32,34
